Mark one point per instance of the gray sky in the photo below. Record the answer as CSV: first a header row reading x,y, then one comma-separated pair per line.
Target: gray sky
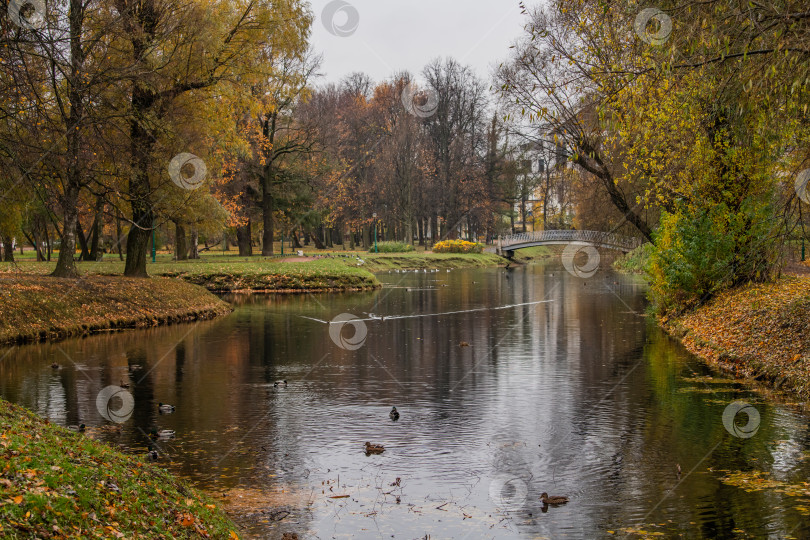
x,y
386,36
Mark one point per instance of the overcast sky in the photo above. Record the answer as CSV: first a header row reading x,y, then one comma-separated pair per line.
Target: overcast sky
x,y
381,37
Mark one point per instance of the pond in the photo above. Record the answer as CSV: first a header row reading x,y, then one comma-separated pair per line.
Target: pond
x,y
510,383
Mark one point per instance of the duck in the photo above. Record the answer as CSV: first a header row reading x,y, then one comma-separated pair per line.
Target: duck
x,y
374,448
394,414
54,366
553,500
165,407
152,455
78,429
162,433
280,383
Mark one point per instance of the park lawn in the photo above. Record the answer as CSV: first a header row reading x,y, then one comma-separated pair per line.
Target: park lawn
x,y
331,271
55,483
39,307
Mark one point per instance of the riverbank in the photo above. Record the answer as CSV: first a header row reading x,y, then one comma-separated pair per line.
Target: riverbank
x,y
58,484
760,331
37,307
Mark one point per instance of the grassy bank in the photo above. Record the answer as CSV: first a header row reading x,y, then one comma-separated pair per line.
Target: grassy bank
x,y
58,484
36,307
759,331
420,260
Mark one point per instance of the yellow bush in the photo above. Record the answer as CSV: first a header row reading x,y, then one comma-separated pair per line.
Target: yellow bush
x,y
458,246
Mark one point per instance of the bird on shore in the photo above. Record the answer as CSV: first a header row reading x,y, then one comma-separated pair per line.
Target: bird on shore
x,y
553,500
78,429
283,384
394,414
374,448
166,408
152,455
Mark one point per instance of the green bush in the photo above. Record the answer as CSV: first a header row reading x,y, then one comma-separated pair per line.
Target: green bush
x,y
699,253
392,247
635,262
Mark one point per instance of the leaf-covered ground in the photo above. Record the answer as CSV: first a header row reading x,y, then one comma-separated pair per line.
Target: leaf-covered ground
x,y
58,484
760,331
36,307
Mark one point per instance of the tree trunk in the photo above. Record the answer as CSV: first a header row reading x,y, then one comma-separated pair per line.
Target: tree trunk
x,y
8,249
244,239
180,245
84,255
95,233
316,241
65,265
194,252
118,240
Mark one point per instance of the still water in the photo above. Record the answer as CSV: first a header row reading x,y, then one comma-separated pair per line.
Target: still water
x,y
509,384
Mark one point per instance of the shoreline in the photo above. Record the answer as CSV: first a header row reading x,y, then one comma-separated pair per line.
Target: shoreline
x,y
58,483
758,333
35,308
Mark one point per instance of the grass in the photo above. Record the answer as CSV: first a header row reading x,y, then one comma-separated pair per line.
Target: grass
x,y
38,307
636,261
58,484
225,272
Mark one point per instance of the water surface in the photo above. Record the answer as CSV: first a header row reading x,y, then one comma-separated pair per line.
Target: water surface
x,y
577,395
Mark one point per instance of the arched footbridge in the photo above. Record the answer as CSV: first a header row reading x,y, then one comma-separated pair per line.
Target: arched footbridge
x,y
507,245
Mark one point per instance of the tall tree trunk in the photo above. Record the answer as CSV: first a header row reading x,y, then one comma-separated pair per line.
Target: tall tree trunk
x,y
143,21
180,245
65,265
244,239
316,240
48,241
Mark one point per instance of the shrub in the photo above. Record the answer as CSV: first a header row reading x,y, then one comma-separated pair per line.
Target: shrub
x,y
392,247
458,246
699,253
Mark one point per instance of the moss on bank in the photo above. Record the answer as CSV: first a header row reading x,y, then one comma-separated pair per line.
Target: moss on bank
x,y
58,484
35,307
759,331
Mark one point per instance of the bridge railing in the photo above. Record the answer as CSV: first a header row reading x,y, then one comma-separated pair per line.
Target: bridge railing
x,y
592,237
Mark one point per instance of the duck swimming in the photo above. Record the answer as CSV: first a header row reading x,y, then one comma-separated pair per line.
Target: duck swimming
x,y
553,500
165,407
374,448
394,414
280,383
162,434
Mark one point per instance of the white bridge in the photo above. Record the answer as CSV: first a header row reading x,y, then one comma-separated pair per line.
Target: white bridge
x,y
507,245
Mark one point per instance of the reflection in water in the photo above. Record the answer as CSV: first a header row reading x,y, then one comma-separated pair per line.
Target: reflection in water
x,y
578,395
